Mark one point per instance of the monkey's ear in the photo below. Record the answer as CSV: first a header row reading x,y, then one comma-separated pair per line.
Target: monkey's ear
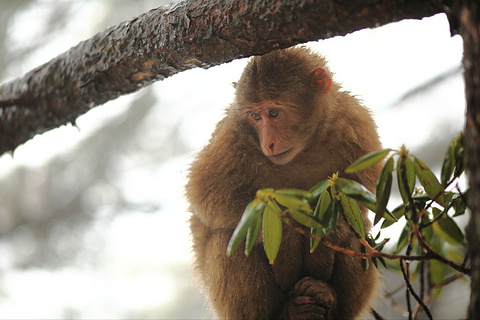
x,y
234,85
322,79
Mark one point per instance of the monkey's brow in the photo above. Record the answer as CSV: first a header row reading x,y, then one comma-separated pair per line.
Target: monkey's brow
x,y
290,105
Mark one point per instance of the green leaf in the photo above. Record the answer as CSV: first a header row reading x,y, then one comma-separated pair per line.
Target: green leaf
x,y
265,194
384,186
379,246
394,216
437,273
355,190
305,218
382,261
397,213
330,217
368,160
319,188
405,167
314,243
249,218
292,202
252,234
403,239
448,163
448,230
455,254
272,233
352,211
459,204
294,193
322,206
429,182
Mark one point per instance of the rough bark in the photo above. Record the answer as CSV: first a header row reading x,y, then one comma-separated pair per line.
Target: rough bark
x,y
468,16
164,41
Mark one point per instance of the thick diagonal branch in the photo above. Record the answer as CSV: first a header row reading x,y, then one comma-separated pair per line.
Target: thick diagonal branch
x,y
165,41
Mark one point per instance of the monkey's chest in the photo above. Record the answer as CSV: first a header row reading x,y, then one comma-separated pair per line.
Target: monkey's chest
x,y
294,260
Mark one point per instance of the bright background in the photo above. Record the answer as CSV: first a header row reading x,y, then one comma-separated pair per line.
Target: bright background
x,y
93,221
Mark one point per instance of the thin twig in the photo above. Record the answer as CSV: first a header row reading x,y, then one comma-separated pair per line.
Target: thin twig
x,y
449,280
375,314
372,254
414,294
407,291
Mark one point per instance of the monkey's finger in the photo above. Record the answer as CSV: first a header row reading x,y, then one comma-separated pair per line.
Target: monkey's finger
x,y
302,285
322,297
303,300
309,311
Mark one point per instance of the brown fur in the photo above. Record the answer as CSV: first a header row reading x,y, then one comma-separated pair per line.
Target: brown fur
x,y
225,175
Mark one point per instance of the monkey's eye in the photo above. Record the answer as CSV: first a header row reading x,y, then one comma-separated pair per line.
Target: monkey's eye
x,y
256,116
273,113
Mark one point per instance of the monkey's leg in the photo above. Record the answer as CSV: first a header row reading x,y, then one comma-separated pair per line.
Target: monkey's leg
x,y
355,287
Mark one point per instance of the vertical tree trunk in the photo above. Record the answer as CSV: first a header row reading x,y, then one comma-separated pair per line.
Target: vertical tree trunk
x,y
469,19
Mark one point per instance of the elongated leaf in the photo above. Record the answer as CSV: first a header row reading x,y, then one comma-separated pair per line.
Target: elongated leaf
x,y
437,272
384,186
314,243
248,219
293,203
448,163
318,189
368,160
403,239
272,233
305,218
253,233
294,193
330,217
459,204
322,206
429,182
382,261
352,211
448,230
379,246
405,167
265,193
355,190
397,213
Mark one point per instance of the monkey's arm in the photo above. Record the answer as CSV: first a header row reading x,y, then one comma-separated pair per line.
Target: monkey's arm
x,y
239,287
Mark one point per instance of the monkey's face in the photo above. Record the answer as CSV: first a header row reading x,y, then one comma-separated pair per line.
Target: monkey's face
x,y
279,139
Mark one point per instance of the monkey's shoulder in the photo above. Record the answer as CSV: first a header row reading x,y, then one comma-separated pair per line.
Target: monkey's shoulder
x,y
220,181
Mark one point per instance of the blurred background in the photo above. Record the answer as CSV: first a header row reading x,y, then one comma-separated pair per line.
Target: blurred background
x,y
93,221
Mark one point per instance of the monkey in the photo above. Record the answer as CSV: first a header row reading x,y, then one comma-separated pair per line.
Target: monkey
x,y
290,126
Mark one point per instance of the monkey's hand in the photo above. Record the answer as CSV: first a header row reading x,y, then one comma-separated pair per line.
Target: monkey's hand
x,y
310,299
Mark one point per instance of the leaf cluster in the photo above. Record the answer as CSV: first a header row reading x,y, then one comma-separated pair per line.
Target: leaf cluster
x,y
429,206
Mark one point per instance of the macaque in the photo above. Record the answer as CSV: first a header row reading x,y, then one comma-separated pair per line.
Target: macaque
x,y
290,126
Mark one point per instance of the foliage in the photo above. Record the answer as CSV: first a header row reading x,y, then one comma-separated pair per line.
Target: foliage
x,y
430,234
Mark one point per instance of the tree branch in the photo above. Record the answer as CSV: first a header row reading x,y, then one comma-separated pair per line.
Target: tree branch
x,y
167,40
468,17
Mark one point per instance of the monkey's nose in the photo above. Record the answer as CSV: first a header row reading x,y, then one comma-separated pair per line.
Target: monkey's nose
x,y
271,146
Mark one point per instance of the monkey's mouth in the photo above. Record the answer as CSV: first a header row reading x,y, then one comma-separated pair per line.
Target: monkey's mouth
x,y
281,158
